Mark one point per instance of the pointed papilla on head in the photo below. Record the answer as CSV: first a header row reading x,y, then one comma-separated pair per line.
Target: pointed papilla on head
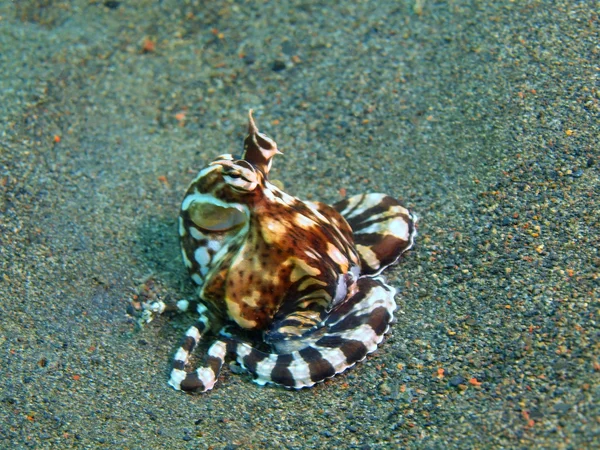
x,y
259,148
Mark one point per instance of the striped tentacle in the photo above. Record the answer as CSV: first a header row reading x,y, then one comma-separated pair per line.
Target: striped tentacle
x,y
352,330
204,377
382,229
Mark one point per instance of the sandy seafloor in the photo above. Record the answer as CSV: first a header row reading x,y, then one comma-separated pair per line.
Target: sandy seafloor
x,y
482,116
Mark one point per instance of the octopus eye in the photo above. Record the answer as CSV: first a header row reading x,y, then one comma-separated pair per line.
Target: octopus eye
x,y
211,217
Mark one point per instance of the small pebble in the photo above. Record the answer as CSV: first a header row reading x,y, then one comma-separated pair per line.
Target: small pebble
x,y
278,66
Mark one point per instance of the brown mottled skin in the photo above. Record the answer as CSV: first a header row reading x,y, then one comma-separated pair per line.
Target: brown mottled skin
x,y
262,260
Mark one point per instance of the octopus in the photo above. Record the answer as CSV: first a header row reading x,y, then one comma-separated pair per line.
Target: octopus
x,y
290,289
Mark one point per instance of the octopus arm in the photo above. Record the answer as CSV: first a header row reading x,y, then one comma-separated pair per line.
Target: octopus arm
x,y
350,332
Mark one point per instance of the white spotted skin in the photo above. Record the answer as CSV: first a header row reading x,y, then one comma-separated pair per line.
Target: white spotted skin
x,y
197,278
182,229
196,234
185,258
183,305
177,376
182,355
202,257
303,275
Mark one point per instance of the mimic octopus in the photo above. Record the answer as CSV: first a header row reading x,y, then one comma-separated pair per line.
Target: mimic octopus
x,y
291,289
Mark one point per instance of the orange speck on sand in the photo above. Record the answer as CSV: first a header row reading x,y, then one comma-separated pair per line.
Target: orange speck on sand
x,y
342,192
275,122
56,139
180,116
148,46
474,382
163,179
76,377
440,372
530,421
